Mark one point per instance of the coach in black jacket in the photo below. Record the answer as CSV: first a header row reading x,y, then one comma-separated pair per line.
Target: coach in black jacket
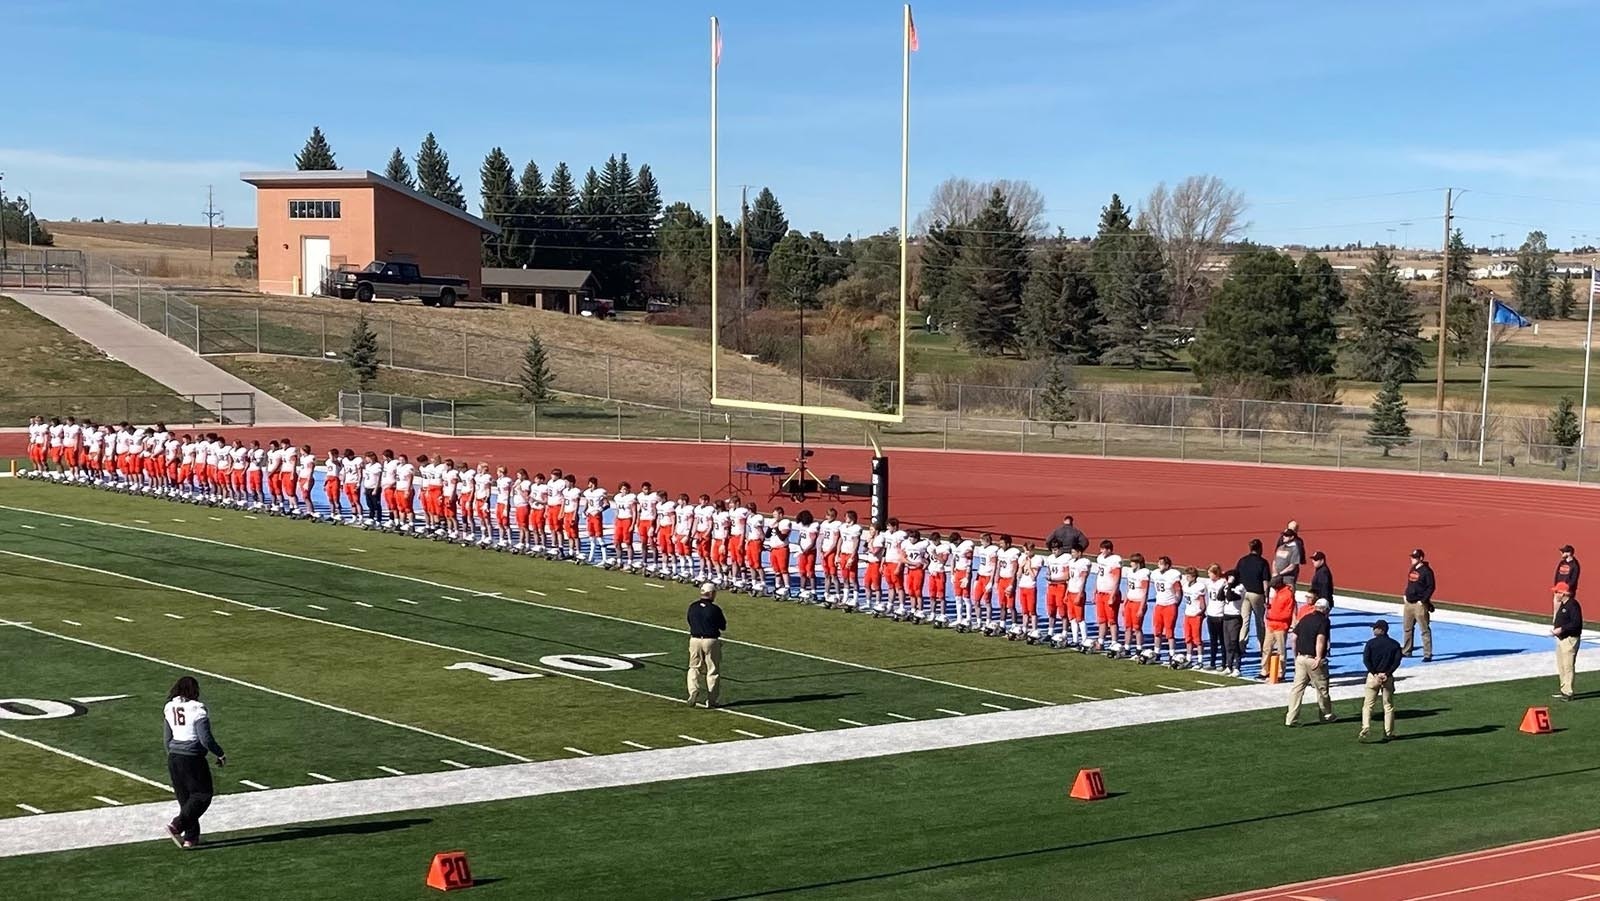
x,y
1381,657
1321,579
1418,608
1254,573
1567,627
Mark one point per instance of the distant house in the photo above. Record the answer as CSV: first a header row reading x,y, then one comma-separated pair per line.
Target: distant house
x,y
570,291
1411,273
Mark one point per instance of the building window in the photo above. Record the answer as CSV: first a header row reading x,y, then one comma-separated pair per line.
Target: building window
x,y
313,209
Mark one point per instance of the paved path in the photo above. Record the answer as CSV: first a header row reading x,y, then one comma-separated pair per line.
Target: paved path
x,y
309,803
152,353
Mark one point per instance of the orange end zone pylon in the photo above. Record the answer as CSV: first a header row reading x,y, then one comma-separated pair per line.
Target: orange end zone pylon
x,y
1537,721
1089,786
449,871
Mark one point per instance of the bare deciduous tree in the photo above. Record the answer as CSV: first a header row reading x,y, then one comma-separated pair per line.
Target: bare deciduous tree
x,y
1191,220
959,200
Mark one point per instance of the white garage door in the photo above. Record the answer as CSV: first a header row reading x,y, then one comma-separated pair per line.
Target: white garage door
x,y
313,261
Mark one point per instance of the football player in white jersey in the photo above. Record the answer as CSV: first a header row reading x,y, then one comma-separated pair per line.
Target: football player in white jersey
x,y
845,579
806,531
594,502
186,733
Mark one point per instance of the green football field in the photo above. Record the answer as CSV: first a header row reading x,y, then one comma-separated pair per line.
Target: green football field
x,y
330,655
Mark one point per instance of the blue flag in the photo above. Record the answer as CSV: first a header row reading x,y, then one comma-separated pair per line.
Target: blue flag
x,y
1501,314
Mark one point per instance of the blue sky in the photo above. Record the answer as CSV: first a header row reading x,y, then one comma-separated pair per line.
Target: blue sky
x,y
1338,121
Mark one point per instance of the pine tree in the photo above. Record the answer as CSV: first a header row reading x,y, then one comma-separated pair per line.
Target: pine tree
x,y
587,231
1253,328
1389,428
433,174
938,281
1565,429
881,398
1323,300
1530,278
317,154
1386,342
498,193
1134,304
535,379
561,234
994,263
768,224
361,357
399,170
1060,309
1055,395
532,207
1566,298
794,272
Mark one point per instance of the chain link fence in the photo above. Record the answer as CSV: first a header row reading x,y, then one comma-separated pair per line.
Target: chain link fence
x,y
143,409
42,268
151,305
1178,442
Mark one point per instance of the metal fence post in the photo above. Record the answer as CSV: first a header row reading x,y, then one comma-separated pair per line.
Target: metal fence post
x,y
138,297
258,332
619,422
322,320
944,435
1103,441
958,400
1183,443
608,376
534,415
464,353
680,389
1500,462
1420,443
1261,444
1022,437
1338,452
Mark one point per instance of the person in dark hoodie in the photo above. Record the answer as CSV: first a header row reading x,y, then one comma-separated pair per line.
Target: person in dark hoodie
x,y
1418,607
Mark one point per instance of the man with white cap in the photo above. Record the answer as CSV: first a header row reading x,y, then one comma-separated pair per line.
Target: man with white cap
x,y
706,625
1311,640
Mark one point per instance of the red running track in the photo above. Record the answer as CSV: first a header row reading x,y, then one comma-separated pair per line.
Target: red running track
x,y
1492,542
1564,868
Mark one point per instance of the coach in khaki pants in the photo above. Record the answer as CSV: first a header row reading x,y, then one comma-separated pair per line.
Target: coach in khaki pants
x,y
1567,627
706,625
1311,639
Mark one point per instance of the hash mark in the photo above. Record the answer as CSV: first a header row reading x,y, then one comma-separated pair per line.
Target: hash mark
x,y
1212,684
459,766
29,807
321,777
406,601
65,525
616,588
634,744
1087,697
391,770
26,526
749,734
255,785
122,619
142,522
221,613
1169,688
901,716
110,802
362,604
577,591
653,585
850,722
995,706
698,741
171,616
949,711
447,597
315,607
175,519
539,593
212,518
359,550
71,622
578,751
1124,691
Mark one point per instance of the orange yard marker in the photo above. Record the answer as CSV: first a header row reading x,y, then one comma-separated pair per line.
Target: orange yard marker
x,y
449,871
1089,786
1537,721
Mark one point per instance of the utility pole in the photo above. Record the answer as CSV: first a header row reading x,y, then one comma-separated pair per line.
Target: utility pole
x,y
2,216
744,254
213,216
1444,299
32,218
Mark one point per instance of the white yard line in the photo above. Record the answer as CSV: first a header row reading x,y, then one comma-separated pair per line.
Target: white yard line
x,y
578,751
84,760
391,771
271,691
691,738
321,778
133,823
109,802
29,808
590,613
391,635
634,744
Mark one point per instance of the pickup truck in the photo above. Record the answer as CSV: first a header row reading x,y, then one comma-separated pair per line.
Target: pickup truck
x,y
395,280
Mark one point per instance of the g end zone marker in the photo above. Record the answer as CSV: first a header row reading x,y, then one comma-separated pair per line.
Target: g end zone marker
x,y
1536,721
1089,786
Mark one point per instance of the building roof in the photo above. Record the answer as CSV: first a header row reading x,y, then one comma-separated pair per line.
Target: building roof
x,y
570,279
344,178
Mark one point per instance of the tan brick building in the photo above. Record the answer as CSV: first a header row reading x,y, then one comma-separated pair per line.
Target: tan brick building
x,y
315,221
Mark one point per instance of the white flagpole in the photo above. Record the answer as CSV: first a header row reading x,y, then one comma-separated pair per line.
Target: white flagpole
x,y
1588,352
716,347
905,191
1483,405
